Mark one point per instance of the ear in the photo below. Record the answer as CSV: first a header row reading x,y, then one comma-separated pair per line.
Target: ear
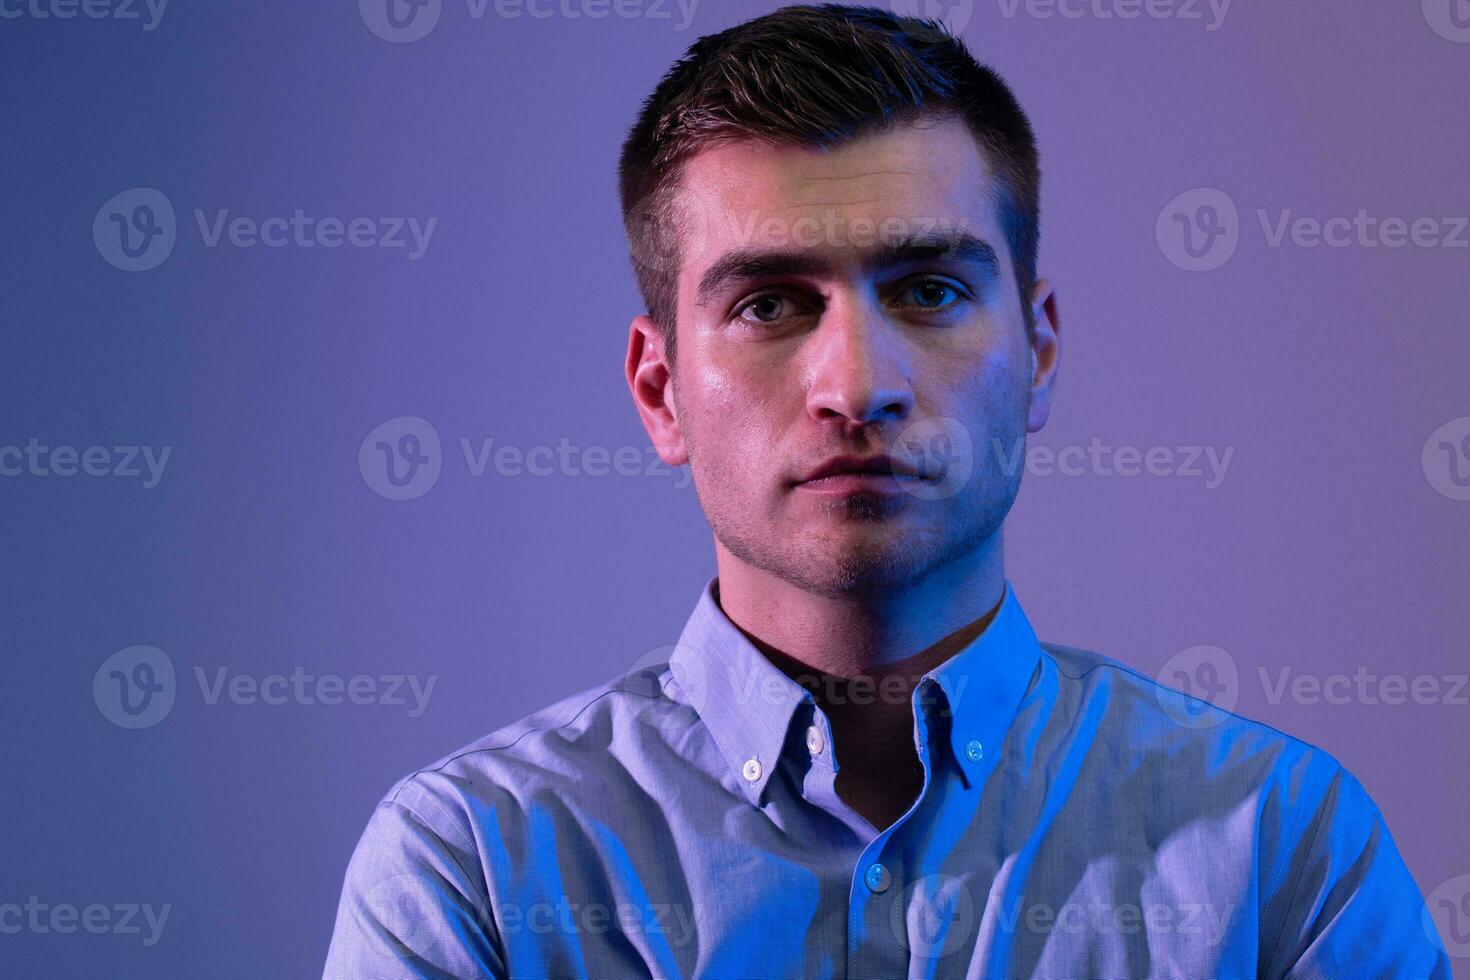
x,y
650,379
1046,352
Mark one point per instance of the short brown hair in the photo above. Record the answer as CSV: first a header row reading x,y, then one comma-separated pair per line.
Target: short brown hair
x,y
816,75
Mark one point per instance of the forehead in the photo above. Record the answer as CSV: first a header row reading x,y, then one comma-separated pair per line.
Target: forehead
x,y
925,173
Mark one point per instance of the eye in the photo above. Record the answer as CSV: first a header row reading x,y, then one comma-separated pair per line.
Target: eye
x,y
767,308
932,294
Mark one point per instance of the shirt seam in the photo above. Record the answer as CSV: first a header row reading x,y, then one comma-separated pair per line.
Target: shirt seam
x,y
469,875
449,817
481,897
530,731
1154,683
1297,881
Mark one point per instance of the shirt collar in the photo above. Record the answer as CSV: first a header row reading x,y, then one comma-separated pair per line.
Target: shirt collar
x,y
747,703
983,686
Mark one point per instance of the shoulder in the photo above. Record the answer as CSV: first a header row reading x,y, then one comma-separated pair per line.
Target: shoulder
x,y
1174,754
1188,741
572,745
1156,709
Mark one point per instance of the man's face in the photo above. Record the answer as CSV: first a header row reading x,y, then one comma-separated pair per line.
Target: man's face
x,y
817,319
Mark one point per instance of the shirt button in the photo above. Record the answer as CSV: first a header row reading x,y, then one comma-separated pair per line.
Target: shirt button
x,y
814,740
974,750
877,878
752,770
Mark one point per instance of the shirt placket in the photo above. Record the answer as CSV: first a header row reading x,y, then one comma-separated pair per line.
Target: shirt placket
x,y
877,939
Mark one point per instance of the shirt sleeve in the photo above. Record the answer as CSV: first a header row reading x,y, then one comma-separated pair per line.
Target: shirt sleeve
x,y
1348,907
410,906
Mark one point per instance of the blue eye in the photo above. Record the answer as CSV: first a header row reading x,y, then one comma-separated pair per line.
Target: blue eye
x,y
768,309
932,294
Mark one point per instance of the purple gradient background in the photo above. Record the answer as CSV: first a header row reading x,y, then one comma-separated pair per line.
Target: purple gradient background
x,y
1326,548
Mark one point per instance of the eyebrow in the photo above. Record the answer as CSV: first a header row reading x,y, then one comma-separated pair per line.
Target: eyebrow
x,y
758,263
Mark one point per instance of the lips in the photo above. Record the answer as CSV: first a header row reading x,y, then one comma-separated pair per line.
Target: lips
x,y
844,465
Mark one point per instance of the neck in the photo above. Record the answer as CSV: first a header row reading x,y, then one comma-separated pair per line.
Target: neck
x,y
899,630
871,711
862,657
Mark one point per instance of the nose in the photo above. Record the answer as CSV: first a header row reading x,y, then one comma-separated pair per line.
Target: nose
x,y
858,367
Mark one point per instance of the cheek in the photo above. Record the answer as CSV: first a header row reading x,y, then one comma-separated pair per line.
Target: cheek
x,y
1007,369
746,393
980,397
730,410
985,390
1006,374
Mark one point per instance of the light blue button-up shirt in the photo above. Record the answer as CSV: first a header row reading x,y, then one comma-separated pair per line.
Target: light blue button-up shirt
x,y
1077,819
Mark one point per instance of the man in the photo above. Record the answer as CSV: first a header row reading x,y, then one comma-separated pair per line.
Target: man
x,y
859,761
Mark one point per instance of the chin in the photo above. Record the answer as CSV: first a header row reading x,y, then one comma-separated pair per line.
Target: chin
x,y
860,567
